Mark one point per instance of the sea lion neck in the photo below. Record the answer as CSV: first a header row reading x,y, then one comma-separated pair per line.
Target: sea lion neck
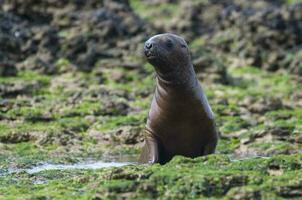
x,y
182,77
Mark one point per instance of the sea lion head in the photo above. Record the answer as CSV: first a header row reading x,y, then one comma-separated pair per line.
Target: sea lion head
x,y
168,53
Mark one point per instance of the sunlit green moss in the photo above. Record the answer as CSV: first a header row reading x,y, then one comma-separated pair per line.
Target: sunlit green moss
x,y
57,127
293,1
210,177
109,123
26,76
147,11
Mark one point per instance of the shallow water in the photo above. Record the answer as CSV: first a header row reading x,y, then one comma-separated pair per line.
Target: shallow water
x,y
93,165
240,157
115,162
81,165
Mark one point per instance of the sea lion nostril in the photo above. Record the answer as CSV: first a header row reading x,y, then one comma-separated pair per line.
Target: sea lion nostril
x,y
148,45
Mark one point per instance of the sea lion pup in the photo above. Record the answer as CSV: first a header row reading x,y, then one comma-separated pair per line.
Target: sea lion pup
x,y
180,120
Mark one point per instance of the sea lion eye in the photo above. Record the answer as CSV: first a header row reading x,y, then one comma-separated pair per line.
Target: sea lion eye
x,y
169,44
183,45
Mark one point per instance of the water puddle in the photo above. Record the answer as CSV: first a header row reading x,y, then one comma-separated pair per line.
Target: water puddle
x,y
82,165
92,165
98,165
241,157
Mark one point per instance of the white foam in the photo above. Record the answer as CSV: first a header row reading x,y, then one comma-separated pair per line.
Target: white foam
x,y
84,165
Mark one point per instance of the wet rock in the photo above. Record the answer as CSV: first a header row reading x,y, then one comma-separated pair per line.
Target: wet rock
x,y
64,138
5,105
150,189
293,189
208,68
123,136
14,138
133,136
11,38
39,64
31,10
36,34
115,108
194,18
129,174
242,193
267,142
267,38
158,2
262,33
296,98
90,118
101,35
18,88
262,106
106,33
298,139
41,50
38,117
276,133
7,69
19,40
226,182
126,135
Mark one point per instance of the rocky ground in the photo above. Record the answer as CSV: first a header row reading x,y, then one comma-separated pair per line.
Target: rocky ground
x,y
74,86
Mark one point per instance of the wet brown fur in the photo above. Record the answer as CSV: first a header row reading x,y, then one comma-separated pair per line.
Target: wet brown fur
x,y
180,120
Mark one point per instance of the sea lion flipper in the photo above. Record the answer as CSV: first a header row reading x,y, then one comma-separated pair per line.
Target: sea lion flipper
x,y
150,150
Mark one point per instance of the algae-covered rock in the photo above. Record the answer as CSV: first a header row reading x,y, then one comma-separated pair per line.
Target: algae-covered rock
x,y
267,38
181,178
36,34
73,89
264,34
244,193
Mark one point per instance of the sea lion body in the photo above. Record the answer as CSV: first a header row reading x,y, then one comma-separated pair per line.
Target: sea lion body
x,y
180,120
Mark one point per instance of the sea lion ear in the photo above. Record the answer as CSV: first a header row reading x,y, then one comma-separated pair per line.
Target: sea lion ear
x,y
185,43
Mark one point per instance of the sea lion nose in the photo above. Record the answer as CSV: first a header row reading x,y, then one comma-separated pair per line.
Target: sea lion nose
x,y
148,45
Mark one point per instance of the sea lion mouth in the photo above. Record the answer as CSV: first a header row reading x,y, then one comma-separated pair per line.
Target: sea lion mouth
x,y
150,55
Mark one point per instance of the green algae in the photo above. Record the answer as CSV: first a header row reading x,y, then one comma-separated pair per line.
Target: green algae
x,y
26,76
212,176
148,11
67,117
293,1
37,125
64,118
